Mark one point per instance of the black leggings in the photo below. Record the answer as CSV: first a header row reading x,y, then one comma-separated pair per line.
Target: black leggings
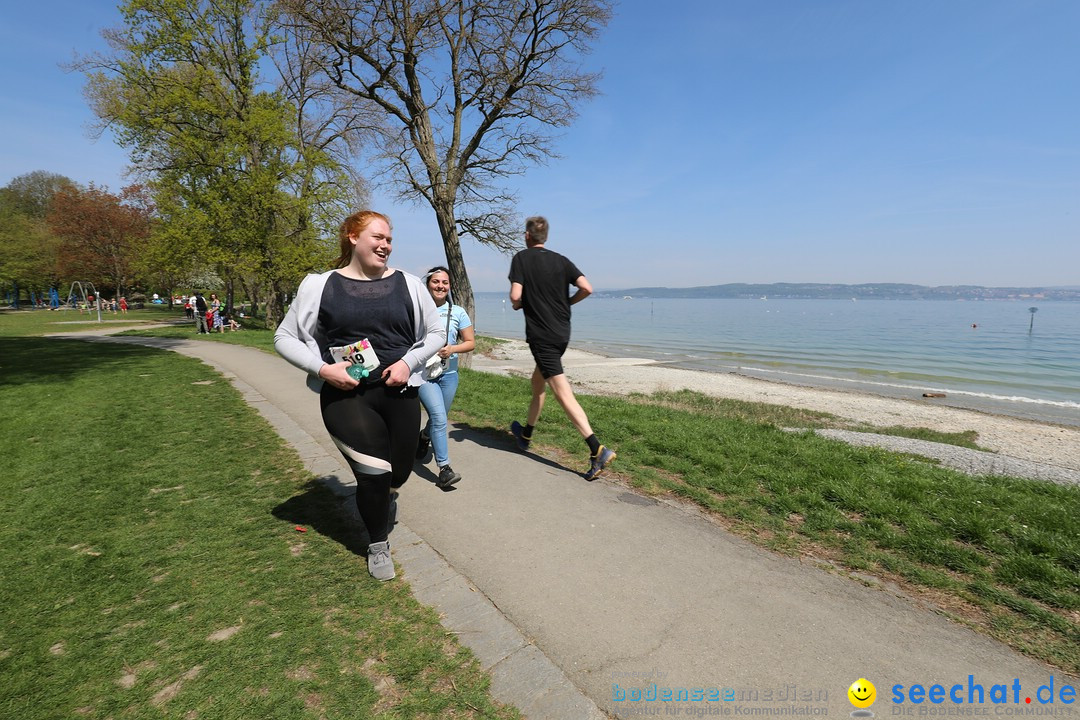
x,y
376,428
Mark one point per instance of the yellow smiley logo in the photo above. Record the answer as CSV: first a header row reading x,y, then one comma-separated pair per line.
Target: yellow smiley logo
x,y
862,693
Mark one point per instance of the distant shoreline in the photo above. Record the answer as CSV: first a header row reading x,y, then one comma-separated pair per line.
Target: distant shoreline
x,y
860,291
822,291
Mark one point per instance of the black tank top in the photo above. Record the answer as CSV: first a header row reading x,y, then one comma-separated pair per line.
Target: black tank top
x,y
379,310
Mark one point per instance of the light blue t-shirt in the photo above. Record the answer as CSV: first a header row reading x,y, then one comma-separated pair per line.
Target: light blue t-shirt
x,y
459,319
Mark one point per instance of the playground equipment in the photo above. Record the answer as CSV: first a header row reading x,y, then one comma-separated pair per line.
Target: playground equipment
x,y
37,299
73,298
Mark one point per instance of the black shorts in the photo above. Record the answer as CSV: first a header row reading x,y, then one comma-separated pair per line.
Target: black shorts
x,y
548,358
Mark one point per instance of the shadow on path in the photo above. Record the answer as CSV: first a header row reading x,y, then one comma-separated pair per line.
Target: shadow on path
x,y
492,438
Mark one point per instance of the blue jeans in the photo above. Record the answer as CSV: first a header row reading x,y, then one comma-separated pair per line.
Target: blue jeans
x,y
437,395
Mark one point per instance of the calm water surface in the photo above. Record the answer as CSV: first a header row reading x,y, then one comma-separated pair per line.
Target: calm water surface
x,y
899,348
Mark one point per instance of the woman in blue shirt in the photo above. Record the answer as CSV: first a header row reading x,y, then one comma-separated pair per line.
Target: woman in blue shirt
x,y
438,394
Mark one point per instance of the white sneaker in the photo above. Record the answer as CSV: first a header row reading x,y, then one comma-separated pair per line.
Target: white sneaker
x,y
379,563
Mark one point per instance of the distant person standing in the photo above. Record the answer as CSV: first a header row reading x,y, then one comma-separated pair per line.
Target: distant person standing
x,y
214,318
123,305
199,305
539,282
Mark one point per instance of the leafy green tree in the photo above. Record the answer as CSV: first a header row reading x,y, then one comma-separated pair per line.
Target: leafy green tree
x,y
28,254
31,194
28,248
470,92
236,187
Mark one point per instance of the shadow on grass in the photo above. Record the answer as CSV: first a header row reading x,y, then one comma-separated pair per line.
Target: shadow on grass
x,y
324,512
36,360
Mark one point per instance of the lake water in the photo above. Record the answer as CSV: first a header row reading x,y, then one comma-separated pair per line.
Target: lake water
x,y
982,355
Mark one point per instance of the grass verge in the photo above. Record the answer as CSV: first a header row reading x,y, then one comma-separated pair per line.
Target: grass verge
x,y
1000,553
152,567
791,417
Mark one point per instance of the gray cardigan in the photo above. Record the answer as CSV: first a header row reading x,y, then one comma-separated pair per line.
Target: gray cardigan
x,y
295,336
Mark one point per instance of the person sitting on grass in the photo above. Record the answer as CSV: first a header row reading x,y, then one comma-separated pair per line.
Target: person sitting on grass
x,y
229,323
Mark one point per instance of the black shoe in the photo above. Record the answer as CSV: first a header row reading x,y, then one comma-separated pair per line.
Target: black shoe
x,y
422,446
598,462
518,431
447,477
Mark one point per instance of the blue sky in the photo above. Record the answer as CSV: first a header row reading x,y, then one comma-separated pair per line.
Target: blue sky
x,y
735,141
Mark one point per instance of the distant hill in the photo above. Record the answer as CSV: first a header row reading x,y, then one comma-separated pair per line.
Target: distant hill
x,y
866,291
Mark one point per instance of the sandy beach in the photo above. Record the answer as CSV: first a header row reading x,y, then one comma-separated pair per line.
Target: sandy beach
x,y
1011,437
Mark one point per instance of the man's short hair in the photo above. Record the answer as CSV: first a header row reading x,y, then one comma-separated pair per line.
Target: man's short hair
x,y
537,227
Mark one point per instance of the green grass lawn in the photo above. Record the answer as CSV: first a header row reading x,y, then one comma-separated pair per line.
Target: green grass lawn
x,y
152,567
40,322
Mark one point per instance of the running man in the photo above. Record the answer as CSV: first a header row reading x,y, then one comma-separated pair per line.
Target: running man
x,y
539,279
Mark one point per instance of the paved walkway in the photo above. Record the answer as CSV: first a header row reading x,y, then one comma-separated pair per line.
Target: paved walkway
x,y
575,594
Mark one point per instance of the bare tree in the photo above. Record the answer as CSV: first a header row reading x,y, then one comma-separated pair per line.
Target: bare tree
x,y
328,121
470,90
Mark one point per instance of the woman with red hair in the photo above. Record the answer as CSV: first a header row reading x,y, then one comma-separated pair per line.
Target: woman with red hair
x,y
363,332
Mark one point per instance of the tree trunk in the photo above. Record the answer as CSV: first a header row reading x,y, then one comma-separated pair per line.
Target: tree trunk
x,y
230,286
459,277
252,294
275,305
460,287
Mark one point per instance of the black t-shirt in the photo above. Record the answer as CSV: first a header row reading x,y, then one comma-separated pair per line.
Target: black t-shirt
x,y
545,277
379,310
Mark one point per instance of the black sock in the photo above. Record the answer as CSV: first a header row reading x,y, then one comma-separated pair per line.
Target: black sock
x,y
594,444
526,432
373,503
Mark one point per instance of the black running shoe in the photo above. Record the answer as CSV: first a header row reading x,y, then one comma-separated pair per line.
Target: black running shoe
x,y
447,477
598,462
518,431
